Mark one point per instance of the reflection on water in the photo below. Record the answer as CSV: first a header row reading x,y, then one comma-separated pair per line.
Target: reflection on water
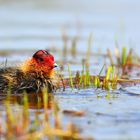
x,y
35,100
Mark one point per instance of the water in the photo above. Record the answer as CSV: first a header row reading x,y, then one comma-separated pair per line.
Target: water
x,y
40,24
116,118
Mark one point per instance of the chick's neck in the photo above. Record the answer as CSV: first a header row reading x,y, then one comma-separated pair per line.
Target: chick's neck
x,y
31,66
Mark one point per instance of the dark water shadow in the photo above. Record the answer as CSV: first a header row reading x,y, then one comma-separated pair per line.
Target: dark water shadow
x,y
35,100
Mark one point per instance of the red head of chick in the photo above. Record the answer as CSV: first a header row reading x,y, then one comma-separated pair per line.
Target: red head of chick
x,y
41,62
33,75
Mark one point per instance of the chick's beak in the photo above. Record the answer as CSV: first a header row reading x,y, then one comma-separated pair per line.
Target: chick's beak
x,y
55,65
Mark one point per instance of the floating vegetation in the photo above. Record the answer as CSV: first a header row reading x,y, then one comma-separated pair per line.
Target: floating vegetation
x,y
74,113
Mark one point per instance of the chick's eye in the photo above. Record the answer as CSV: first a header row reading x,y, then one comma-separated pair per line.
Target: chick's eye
x,y
41,59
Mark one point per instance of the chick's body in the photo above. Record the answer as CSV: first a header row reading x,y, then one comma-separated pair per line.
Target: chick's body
x,y
32,77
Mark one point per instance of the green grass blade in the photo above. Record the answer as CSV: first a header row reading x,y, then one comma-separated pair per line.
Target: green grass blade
x,y
70,76
124,57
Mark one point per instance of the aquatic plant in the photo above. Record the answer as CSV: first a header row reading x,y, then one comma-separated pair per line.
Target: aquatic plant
x,y
70,76
125,60
110,81
88,53
74,46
